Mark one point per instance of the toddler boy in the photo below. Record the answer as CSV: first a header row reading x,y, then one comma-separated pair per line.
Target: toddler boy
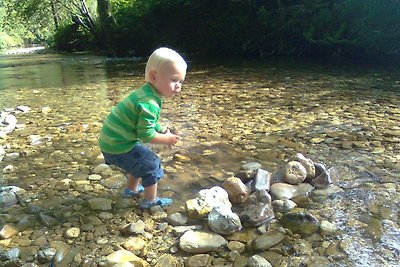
x,y
134,122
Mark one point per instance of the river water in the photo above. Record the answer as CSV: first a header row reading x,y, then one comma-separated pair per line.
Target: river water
x,y
228,113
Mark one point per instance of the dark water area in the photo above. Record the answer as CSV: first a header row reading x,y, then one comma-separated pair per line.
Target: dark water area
x,y
229,112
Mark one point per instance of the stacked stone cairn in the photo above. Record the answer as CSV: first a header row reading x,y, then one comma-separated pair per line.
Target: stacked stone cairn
x,y
253,196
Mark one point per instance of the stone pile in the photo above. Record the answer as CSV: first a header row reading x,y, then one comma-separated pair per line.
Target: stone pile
x,y
257,193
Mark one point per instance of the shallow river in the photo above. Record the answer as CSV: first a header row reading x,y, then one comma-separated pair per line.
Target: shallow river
x,y
228,113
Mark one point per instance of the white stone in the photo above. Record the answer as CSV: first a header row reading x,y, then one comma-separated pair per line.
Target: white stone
x,y
200,242
327,228
288,191
8,169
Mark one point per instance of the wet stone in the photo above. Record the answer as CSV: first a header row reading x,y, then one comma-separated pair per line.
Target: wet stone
x,y
301,222
137,227
72,232
255,215
167,261
134,244
177,219
105,215
114,182
10,254
199,260
100,204
236,246
45,255
327,228
283,205
47,220
8,231
258,261
268,240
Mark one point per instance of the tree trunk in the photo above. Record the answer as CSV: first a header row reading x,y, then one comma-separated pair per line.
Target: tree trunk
x,y
106,21
55,14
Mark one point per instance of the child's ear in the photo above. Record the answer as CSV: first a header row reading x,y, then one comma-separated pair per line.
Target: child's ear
x,y
152,75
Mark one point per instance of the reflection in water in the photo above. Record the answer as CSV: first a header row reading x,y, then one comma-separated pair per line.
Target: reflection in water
x,y
228,114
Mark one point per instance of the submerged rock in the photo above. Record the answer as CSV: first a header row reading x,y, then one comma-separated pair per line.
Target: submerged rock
x,y
268,240
325,177
300,222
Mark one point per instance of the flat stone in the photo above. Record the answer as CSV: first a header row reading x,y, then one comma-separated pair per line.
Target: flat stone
x,y
200,241
8,231
268,240
100,203
288,191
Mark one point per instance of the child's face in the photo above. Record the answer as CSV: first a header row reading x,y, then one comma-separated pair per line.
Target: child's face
x,y
168,80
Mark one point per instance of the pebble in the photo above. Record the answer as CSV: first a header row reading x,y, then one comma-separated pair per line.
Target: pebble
x,y
72,232
258,261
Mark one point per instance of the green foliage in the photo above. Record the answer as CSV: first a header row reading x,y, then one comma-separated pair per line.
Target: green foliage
x,y
308,28
71,37
6,40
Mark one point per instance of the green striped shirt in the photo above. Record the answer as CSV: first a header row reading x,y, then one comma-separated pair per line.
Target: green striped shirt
x,y
131,121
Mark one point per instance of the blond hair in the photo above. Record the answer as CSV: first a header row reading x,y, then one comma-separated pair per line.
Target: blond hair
x,y
160,57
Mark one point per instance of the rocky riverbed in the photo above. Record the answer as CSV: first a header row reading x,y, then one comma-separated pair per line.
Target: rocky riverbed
x,y
81,220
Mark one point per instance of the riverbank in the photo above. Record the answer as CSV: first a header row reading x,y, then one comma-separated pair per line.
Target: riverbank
x,y
25,50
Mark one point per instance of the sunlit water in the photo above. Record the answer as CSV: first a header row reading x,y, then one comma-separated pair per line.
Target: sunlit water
x,y
227,114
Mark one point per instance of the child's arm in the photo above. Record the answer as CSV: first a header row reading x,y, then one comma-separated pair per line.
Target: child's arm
x,y
166,138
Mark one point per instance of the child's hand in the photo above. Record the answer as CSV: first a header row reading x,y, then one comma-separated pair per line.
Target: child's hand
x,y
172,138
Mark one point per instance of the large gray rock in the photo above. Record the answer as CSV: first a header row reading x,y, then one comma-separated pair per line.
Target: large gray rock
x,y
223,221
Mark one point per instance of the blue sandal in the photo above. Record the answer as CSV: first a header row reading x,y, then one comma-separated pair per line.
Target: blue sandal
x,y
128,193
145,204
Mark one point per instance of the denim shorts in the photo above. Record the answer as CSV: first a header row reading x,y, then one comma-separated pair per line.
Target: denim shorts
x,y
140,162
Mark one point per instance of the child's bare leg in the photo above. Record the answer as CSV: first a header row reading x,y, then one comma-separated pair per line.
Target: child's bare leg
x,y
133,183
150,192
